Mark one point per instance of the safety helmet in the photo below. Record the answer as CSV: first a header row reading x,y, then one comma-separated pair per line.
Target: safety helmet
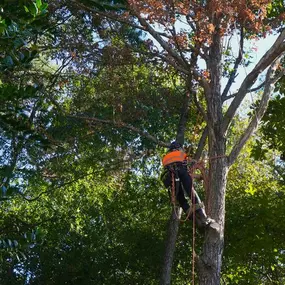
x,y
175,145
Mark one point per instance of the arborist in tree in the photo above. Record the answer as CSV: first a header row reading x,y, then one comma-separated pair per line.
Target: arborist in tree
x,y
176,167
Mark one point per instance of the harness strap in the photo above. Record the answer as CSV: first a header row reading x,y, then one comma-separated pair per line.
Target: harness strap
x,y
173,168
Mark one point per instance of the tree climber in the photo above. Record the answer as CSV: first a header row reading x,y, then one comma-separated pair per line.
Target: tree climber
x,y
175,162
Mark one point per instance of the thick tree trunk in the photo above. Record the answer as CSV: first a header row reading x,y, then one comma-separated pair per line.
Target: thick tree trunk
x,y
210,261
170,241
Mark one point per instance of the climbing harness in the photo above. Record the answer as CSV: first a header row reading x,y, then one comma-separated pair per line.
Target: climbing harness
x,y
175,183
195,200
175,187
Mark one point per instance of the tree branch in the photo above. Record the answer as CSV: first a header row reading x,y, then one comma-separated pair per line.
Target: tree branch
x,y
184,113
201,144
269,86
192,90
270,56
190,22
236,65
200,107
249,91
174,64
174,35
160,40
114,17
122,125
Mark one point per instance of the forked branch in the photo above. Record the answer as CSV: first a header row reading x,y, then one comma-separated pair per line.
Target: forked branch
x,y
236,65
270,56
121,125
257,116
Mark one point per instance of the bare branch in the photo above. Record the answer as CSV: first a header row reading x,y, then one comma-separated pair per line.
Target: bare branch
x,y
183,118
114,17
161,41
269,86
200,107
190,22
236,65
122,125
191,90
196,75
202,80
170,61
109,4
56,75
174,34
270,56
249,91
201,144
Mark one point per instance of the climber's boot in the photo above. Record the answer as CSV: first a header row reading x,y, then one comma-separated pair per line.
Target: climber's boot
x,y
203,220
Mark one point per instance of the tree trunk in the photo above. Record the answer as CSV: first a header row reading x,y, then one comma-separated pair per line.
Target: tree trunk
x,y
210,261
170,241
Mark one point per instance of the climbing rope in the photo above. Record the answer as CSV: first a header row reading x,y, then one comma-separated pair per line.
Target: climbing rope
x,y
196,165
193,200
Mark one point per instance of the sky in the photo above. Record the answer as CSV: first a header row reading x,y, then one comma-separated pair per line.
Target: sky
x,y
258,48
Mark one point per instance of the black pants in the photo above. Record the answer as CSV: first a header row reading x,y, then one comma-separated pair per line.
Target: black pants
x,y
184,185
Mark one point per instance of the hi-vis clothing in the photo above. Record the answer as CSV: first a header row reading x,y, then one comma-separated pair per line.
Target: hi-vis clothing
x,y
174,156
182,179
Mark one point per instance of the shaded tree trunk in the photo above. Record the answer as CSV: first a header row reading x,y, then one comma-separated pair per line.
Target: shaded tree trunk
x,y
172,232
210,261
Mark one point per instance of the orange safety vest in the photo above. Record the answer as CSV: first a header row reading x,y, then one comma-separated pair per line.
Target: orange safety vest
x,y
174,156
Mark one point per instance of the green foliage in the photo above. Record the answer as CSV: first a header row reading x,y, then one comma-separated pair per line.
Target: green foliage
x,y
81,201
254,232
20,24
276,9
273,125
97,231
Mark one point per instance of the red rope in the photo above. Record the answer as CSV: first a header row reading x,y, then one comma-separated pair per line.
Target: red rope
x,y
193,230
191,210
173,196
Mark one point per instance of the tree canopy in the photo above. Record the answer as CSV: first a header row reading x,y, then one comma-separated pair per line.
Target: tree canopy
x,y
91,95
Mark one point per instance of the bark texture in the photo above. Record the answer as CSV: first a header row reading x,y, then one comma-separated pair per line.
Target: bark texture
x,y
173,226
210,261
